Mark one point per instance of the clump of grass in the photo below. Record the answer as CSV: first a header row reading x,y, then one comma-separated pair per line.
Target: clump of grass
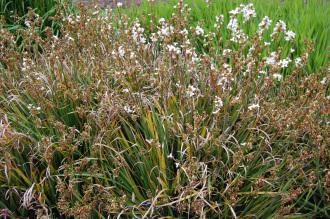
x,y
15,15
20,8
110,119
12,10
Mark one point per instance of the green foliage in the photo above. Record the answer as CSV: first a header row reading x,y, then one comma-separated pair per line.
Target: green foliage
x,y
18,8
18,13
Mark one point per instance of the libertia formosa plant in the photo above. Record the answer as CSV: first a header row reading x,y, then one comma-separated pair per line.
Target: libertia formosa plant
x,y
112,119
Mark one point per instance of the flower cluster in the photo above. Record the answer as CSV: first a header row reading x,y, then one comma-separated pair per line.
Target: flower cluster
x,y
138,33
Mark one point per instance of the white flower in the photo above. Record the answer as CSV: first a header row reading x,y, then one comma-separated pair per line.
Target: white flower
x,y
121,51
170,156
251,50
271,60
192,91
187,42
284,63
219,19
172,48
153,37
218,104
199,31
194,58
289,35
235,12
161,20
324,80
119,4
128,109
184,32
113,53
279,27
224,82
227,68
137,33
165,30
267,43
212,67
70,38
253,106
142,40
298,62
132,55
238,36
248,12
265,23
189,52
277,76
233,24
27,23
226,52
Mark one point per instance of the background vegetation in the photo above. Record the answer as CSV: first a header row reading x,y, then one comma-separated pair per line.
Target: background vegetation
x,y
309,21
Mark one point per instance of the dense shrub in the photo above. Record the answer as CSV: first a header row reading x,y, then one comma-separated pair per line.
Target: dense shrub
x,y
112,120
